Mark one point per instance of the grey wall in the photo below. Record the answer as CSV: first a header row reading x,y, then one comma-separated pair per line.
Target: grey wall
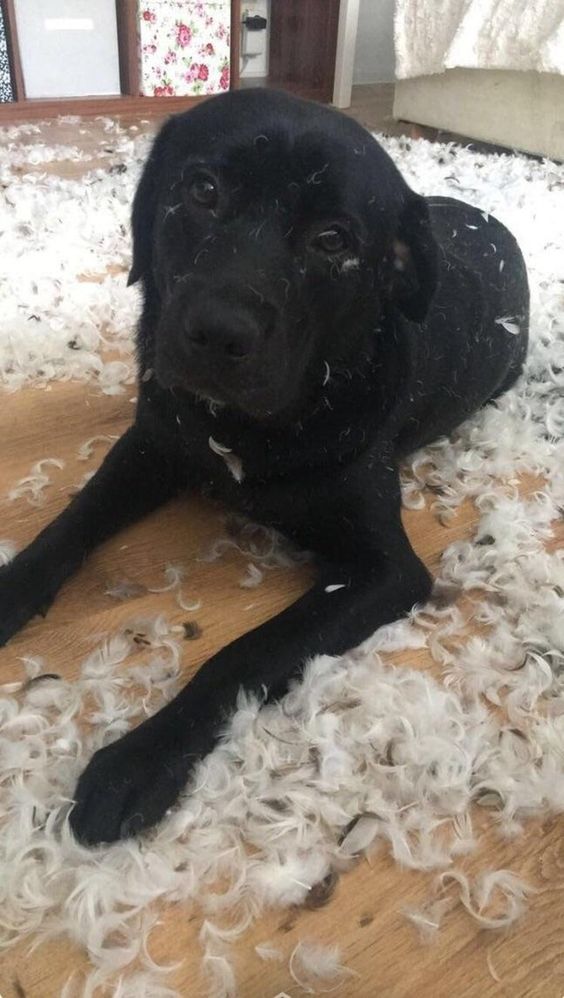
x,y
374,55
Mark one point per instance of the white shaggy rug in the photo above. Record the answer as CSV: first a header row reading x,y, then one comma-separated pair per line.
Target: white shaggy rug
x,y
360,753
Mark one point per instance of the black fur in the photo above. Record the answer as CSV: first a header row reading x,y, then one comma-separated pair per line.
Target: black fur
x,y
305,308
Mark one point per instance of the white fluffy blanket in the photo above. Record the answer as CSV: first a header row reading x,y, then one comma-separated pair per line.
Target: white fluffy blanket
x,y
361,752
434,35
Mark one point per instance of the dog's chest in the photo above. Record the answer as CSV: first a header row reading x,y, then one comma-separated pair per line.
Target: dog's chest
x,y
234,459
226,455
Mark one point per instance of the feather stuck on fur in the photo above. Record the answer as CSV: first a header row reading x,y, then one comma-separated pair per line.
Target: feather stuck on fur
x,y
7,551
233,462
508,323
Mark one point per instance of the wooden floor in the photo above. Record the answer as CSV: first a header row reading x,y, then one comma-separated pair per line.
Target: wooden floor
x,y
364,915
372,105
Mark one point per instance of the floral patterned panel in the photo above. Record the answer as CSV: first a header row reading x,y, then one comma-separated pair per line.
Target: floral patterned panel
x,y
184,47
6,93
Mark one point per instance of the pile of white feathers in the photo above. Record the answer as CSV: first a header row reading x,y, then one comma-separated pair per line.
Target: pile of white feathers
x,y
359,754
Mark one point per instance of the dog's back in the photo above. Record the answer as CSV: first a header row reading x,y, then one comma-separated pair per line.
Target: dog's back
x,y
473,342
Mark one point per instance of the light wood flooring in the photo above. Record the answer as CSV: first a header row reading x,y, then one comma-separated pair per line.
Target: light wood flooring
x,y
364,916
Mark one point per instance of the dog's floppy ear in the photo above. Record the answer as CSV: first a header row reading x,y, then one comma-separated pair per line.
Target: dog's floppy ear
x,y
145,203
414,260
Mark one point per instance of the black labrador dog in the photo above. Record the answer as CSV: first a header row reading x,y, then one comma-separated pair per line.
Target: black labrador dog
x,y
308,321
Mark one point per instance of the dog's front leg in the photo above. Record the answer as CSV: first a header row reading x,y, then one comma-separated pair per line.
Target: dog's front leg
x,y
133,479
372,578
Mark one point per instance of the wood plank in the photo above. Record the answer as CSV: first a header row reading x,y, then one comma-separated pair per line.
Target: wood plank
x,y
33,109
235,38
303,45
128,45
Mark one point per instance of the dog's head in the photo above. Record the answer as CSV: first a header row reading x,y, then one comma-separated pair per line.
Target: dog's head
x,y
273,235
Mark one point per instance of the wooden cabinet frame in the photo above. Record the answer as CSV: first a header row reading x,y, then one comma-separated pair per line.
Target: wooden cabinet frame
x,y
23,108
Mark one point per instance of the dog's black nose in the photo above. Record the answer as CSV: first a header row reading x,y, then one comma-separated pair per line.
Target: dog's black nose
x,y
232,341
223,330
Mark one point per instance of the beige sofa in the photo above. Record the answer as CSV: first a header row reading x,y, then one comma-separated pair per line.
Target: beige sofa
x,y
520,110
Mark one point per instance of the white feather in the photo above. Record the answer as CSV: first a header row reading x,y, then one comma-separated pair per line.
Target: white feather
x,y
174,575
268,952
86,449
233,462
509,324
253,577
316,968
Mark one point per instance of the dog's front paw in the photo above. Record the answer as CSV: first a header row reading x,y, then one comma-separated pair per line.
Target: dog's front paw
x,y
127,787
22,596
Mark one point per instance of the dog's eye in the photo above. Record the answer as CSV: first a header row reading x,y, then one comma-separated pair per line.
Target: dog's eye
x,y
203,190
331,241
